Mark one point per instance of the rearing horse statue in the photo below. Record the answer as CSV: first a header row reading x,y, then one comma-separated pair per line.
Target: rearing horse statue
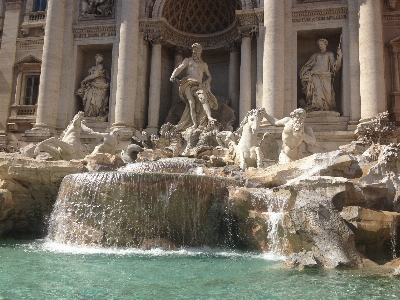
x,y
68,146
248,150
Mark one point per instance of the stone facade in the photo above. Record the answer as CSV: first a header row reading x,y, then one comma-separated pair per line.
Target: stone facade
x,y
254,51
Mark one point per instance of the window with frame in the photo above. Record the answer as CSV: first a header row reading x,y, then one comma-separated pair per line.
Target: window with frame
x,y
31,89
39,5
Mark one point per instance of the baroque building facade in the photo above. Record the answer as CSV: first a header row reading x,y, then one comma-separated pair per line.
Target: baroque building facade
x,y
114,58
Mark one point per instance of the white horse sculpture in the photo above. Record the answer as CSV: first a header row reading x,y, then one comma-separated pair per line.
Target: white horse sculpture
x,y
248,152
244,145
68,146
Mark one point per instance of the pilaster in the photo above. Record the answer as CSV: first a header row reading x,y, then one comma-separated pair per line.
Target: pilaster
x,y
50,77
7,60
372,76
234,77
155,84
274,57
127,66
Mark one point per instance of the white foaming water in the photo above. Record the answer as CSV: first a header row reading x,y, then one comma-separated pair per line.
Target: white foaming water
x,y
393,240
275,206
58,248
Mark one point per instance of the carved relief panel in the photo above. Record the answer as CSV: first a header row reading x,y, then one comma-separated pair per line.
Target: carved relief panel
x,y
96,9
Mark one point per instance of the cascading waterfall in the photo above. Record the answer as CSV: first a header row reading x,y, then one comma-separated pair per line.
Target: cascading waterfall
x,y
393,240
129,209
275,208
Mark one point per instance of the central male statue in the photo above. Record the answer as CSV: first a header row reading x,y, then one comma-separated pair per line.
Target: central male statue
x,y
194,91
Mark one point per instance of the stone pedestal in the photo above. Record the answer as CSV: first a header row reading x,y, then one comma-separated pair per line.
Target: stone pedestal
x,y
326,121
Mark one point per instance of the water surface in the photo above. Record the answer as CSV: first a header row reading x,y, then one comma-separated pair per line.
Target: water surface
x,y
46,270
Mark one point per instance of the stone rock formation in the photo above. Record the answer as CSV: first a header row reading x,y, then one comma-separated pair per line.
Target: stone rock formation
x,y
28,190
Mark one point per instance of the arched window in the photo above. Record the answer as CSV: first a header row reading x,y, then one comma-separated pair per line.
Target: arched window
x,y
39,5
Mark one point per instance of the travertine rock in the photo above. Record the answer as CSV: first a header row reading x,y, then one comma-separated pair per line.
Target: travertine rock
x,y
333,163
28,191
302,259
315,219
374,230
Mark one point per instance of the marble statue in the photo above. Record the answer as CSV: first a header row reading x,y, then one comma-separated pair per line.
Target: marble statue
x,y
295,132
68,146
194,91
248,152
109,142
94,90
317,77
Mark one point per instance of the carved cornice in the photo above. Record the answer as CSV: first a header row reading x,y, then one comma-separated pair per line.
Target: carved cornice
x,y
310,1
395,16
159,27
233,47
34,43
260,15
108,30
326,14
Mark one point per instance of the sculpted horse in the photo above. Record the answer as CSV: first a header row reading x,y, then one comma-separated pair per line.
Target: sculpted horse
x,y
248,151
243,144
68,146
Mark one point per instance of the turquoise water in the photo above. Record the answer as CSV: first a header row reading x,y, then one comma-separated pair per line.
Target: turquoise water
x,y
45,270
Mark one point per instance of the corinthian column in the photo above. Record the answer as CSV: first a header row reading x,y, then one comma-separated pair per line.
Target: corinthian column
x,y
7,58
127,65
155,87
234,78
178,58
50,77
372,81
274,57
245,76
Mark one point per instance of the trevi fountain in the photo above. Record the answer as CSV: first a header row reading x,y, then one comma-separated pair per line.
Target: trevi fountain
x,y
220,196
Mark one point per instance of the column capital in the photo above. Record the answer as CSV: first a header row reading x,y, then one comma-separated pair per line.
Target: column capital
x,y
232,47
394,46
248,31
155,38
179,50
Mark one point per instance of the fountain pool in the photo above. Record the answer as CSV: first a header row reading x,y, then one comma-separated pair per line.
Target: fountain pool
x,y
46,270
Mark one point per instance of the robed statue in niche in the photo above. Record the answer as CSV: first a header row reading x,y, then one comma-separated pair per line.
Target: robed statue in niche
x,y
317,77
94,91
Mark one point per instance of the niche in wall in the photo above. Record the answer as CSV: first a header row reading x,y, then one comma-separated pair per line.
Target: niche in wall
x,y
307,46
86,60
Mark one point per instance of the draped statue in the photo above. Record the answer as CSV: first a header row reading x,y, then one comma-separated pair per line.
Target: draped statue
x,y
317,77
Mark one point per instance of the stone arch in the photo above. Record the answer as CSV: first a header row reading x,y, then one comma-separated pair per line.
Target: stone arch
x,y
201,16
155,8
